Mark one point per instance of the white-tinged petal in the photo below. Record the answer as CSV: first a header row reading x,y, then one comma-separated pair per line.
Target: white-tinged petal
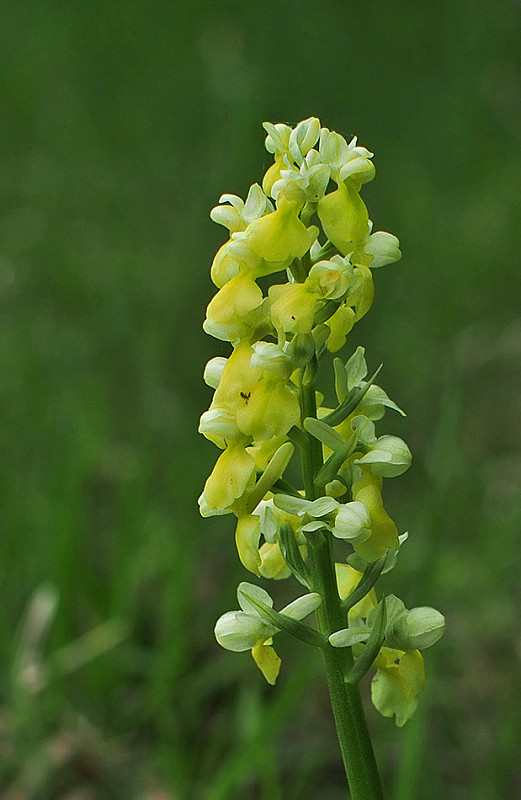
x,y
256,593
353,522
302,606
213,371
218,422
384,248
389,458
238,631
349,636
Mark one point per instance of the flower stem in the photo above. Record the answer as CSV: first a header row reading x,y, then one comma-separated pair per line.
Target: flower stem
x,y
353,735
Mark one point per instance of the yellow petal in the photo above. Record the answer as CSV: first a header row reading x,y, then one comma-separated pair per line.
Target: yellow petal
x,y
362,293
235,311
279,237
398,682
348,579
344,217
231,476
238,378
367,490
267,661
292,307
263,451
233,258
273,174
247,537
340,324
273,565
269,409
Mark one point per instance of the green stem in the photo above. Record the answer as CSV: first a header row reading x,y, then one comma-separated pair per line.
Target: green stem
x,y
353,735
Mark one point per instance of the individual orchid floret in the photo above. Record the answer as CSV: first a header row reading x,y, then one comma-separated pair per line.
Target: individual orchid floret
x,y
272,521
235,214
347,161
348,579
231,476
292,183
309,183
237,311
277,139
399,679
416,629
292,307
264,405
277,142
352,523
247,538
348,521
251,629
377,250
389,456
340,324
317,174
330,279
249,523
279,237
361,292
303,138
232,259
352,308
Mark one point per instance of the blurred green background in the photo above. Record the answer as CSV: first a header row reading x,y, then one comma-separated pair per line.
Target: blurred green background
x,y
121,125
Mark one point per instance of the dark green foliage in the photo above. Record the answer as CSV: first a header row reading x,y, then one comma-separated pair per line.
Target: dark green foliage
x,y
122,123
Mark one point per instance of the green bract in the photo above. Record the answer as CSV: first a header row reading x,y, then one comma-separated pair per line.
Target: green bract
x,y
293,278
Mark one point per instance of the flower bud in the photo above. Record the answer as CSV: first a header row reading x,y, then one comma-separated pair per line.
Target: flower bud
x,y
277,139
389,457
256,205
333,149
303,138
384,248
417,629
238,631
353,522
